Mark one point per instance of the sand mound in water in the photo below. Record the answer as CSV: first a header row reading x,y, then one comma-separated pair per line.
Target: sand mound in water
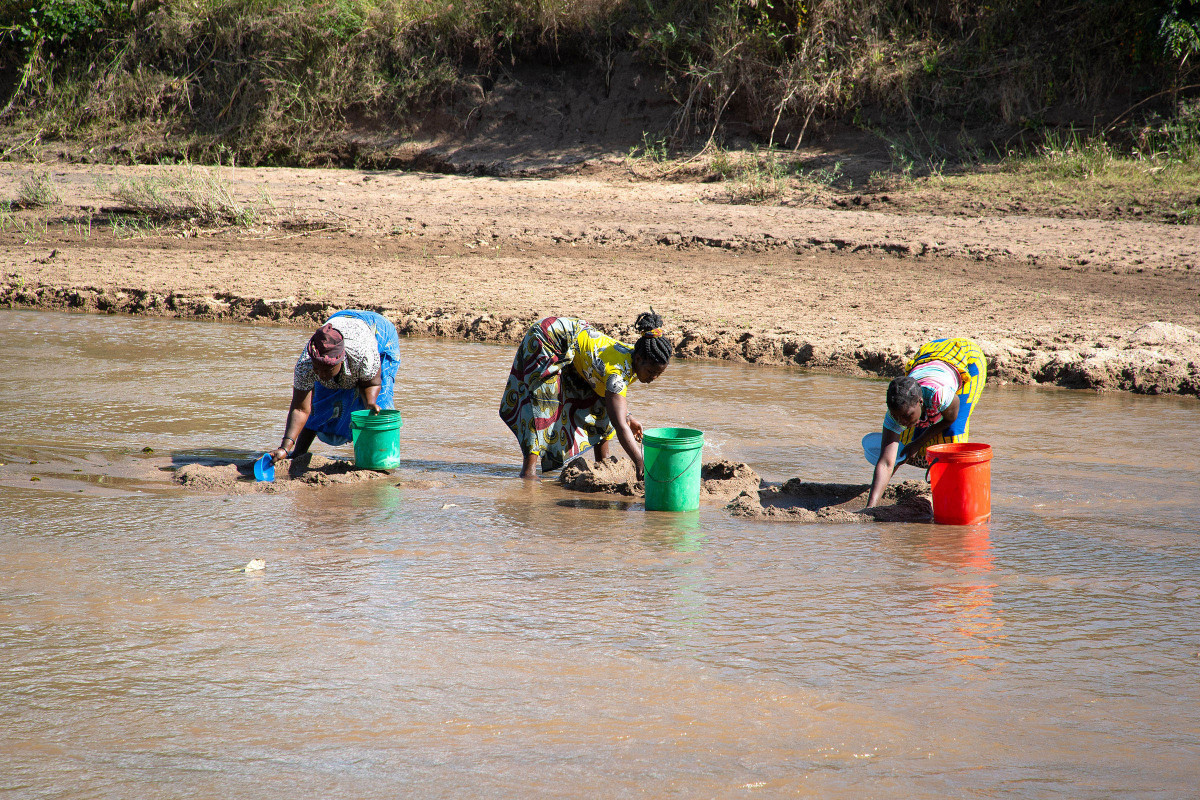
x,y
199,476
720,481
613,475
307,470
797,501
723,480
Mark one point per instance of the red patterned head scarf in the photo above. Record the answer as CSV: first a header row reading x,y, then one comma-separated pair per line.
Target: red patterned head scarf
x,y
326,346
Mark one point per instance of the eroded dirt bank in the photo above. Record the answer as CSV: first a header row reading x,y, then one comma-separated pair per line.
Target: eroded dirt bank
x,y
1078,303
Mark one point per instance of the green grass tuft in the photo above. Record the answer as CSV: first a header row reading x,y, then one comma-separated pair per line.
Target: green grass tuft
x,y
37,190
199,195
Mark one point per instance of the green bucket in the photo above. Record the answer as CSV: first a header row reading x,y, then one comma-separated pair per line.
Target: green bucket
x,y
376,438
672,467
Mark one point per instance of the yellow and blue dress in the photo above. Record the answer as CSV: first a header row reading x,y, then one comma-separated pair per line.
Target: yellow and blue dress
x,y
943,368
554,399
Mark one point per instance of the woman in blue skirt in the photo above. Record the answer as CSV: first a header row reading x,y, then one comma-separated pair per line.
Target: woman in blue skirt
x,y
348,365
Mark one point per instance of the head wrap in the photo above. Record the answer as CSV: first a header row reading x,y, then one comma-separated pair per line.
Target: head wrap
x,y
326,346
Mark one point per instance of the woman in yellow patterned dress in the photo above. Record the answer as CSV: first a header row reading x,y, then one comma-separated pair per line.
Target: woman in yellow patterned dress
x,y
930,404
566,390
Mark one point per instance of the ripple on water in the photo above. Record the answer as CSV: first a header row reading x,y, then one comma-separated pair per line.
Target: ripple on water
x,y
471,634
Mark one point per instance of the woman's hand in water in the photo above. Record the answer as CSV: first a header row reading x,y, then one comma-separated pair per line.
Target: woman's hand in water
x,y
634,426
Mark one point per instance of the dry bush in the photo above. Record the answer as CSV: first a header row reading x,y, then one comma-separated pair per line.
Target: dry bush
x,y
37,190
200,195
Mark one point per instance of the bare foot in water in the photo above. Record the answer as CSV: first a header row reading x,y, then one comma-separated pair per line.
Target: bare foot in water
x,y
529,468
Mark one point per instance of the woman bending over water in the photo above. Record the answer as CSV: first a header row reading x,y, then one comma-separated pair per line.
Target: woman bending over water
x,y
349,364
567,388
930,404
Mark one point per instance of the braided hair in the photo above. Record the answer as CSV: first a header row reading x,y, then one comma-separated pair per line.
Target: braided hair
x,y
652,347
902,393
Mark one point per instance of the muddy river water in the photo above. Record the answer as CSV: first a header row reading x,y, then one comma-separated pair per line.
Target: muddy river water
x,y
465,634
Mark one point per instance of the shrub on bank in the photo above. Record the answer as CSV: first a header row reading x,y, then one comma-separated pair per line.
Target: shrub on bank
x,y
283,81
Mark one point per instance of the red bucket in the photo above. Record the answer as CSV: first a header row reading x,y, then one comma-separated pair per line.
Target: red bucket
x,y
961,477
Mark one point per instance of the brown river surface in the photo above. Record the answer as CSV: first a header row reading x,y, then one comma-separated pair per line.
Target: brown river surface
x,y
481,637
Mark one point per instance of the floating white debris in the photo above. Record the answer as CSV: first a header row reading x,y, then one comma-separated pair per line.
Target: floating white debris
x,y
449,505
255,565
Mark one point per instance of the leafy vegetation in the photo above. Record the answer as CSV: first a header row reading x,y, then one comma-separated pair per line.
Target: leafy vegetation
x,y
285,81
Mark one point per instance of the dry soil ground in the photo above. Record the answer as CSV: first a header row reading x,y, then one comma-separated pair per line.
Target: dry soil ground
x,y
1076,302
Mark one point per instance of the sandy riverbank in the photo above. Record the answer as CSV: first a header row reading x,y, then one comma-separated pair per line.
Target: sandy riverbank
x,y
1078,303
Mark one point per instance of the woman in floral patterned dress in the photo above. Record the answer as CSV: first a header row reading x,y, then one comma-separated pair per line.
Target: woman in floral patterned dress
x,y
566,390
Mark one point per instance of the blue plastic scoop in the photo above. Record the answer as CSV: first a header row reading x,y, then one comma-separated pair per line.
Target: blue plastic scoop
x,y
264,468
872,443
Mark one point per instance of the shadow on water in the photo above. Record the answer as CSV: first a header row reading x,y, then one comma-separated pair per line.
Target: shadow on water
x,y
603,519
461,467
601,505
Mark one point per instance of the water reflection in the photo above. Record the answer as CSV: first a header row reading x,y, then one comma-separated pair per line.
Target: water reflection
x,y
959,616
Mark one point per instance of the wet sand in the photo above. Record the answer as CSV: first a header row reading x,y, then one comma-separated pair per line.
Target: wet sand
x,y
237,477
798,501
733,486
737,487
1077,303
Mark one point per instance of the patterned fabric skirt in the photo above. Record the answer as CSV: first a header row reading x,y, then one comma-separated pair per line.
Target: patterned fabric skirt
x,y
966,357
549,408
331,408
